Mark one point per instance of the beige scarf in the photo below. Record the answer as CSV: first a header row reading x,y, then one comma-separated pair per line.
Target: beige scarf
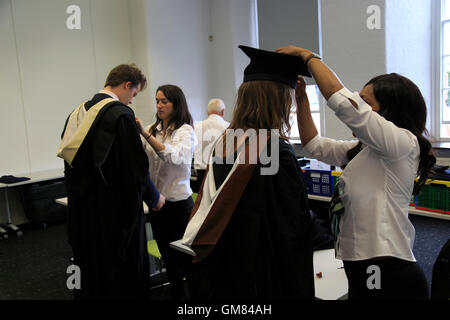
x,y
80,121
214,207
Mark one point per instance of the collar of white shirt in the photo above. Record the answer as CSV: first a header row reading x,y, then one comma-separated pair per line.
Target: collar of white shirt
x,y
171,127
216,116
109,93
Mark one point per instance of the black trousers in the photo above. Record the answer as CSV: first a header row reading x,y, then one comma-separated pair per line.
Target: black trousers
x,y
385,279
169,225
195,185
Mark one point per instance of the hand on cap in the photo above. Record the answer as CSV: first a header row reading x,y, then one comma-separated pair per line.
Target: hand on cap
x,y
294,51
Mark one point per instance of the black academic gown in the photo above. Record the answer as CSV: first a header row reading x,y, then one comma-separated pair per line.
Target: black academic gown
x,y
105,190
265,252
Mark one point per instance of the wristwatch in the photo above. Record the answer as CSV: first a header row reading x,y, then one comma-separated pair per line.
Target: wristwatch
x,y
311,56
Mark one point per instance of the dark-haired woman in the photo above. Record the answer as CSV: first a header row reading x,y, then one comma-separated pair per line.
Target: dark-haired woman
x,y
169,144
375,237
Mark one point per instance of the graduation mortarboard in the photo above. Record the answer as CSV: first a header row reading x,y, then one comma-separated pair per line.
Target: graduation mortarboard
x,y
274,66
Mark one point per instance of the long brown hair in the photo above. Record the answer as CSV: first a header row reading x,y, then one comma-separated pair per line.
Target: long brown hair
x,y
180,113
263,104
402,103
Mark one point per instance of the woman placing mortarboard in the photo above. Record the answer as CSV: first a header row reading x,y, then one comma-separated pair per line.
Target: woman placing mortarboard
x,y
388,117
250,229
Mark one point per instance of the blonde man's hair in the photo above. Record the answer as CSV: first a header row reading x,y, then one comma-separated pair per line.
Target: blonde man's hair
x,y
215,106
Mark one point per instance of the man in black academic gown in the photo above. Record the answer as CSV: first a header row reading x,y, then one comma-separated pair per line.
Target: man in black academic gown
x,y
106,174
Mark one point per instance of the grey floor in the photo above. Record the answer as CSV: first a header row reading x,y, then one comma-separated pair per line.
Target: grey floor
x,y
33,267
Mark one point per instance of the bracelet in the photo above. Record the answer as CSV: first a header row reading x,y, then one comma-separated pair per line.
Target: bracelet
x,y
146,138
311,56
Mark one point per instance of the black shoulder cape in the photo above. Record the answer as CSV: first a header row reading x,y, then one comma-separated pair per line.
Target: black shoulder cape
x,y
265,252
105,213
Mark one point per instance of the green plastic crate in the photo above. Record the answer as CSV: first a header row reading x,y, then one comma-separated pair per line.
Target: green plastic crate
x,y
435,196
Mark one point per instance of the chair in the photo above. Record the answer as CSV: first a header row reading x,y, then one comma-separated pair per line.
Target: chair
x,y
152,248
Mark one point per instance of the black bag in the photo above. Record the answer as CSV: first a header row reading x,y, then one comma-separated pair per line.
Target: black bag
x,y
322,238
39,202
440,285
336,211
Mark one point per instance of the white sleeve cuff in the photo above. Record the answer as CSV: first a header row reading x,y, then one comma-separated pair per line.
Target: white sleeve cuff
x,y
340,100
311,146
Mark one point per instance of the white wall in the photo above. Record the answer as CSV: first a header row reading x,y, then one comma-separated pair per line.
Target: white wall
x,y
178,48
192,44
356,53
48,70
142,104
233,22
243,17
13,131
222,72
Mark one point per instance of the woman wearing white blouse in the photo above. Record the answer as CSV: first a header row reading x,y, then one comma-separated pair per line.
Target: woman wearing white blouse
x,y
169,144
388,117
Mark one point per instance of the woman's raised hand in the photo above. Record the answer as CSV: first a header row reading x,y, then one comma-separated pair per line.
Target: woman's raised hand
x,y
300,90
294,51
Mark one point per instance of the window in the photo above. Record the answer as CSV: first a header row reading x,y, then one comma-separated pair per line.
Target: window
x,y
313,96
444,67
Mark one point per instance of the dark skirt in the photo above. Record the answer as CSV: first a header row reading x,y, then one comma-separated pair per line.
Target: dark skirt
x,y
385,279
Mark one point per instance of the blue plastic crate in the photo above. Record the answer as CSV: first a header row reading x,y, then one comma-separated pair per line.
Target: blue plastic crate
x,y
319,182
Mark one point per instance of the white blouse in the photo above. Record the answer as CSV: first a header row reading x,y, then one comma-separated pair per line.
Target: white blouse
x,y
376,185
170,169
